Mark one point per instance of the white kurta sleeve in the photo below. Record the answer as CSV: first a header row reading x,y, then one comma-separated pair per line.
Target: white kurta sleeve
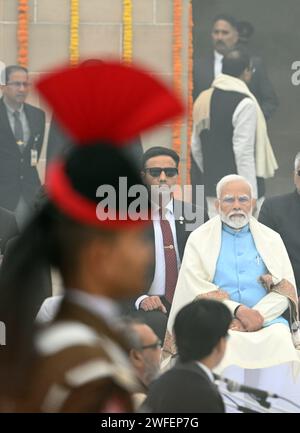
x,y
244,122
272,306
231,305
196,147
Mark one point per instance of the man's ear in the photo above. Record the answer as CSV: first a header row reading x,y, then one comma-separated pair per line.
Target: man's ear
x,y
221,346
135,357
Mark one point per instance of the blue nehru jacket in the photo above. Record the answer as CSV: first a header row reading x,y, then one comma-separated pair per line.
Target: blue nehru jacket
x,y
239,267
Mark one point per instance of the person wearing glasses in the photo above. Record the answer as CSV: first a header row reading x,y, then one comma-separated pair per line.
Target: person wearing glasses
x,y
22,128
282,214
241,262
170,231
201,331
229,130
144,354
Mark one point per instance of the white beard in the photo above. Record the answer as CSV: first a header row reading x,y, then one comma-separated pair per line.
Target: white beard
x,y
235,220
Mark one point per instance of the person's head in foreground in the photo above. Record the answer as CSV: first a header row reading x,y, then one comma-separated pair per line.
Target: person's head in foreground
x,y
234,201
201,331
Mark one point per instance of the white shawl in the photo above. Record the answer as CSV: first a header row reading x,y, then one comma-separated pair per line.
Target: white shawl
x,y
196,276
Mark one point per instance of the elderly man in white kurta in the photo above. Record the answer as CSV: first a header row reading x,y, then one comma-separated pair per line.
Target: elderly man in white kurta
x,y
237,260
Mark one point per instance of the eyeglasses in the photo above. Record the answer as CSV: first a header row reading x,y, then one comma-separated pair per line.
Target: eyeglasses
x,y
155,345
298,172
156,171
230,199
18,84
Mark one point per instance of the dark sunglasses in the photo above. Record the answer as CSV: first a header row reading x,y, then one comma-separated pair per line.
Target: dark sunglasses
x,y
298,172
156,171
155,345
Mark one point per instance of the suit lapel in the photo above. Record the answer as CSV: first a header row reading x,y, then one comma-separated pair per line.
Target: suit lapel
x,y
31,123
181,230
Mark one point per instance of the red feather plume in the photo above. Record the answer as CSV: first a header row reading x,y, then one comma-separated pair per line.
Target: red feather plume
x,y
108,101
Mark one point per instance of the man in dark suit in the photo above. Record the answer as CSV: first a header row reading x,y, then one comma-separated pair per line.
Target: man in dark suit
x,y
225,36
22,129
282,214
201,331
160,170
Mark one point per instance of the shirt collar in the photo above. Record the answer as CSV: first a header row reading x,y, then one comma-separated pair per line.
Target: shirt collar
x,y
232,231
206,370
10,109
99,305
218,56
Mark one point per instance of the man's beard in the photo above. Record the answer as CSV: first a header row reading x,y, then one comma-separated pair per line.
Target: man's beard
x,y
236,219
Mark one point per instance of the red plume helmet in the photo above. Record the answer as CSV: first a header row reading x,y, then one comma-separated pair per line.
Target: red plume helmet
x,y
108,101
101,102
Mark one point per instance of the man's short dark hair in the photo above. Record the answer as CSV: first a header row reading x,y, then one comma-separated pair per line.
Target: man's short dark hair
x,y
235,62
10,70
228,18
160,151
198,328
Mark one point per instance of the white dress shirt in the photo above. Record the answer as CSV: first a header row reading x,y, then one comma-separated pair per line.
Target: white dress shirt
x,y
218,63
158,284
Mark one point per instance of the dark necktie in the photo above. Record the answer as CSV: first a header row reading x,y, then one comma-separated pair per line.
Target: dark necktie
x,y
18,131
170,258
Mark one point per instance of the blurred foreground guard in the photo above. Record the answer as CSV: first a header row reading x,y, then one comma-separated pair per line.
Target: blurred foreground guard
x,y
78,363
201,343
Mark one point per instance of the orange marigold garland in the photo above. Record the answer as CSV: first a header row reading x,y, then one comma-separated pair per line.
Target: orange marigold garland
x,y
127,30
190,89
74,32
22,33
177,67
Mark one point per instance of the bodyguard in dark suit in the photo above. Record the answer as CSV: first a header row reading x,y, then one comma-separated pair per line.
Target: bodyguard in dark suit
x,y
172,223
200,329
22,129
282,214
225,36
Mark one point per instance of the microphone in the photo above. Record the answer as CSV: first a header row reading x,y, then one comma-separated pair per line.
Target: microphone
x,y
259,393
237,387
